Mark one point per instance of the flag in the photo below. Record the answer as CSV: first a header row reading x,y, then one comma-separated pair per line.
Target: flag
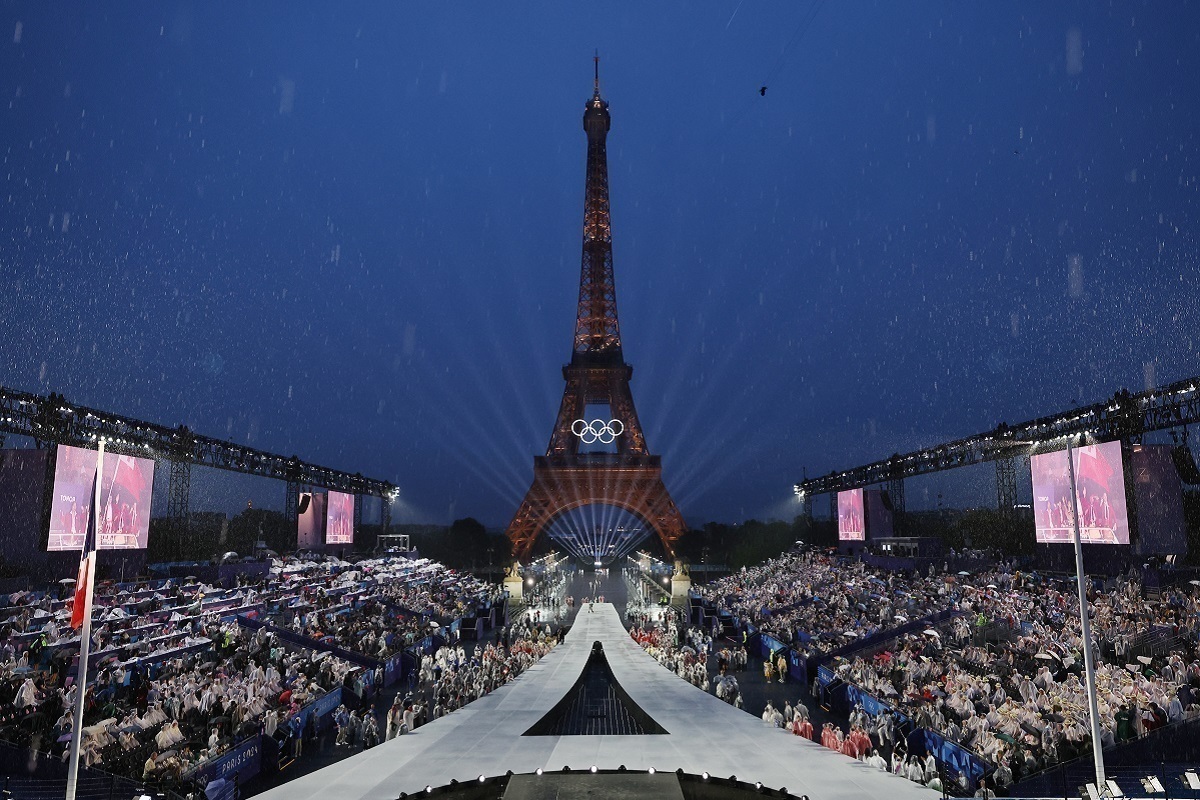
x,y
83,588
1091,465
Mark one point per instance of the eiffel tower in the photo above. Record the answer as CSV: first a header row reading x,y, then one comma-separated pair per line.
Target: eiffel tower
x,y
574,473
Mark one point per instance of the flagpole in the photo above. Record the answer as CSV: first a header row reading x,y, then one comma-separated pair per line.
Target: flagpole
x,y
85,639
1089,667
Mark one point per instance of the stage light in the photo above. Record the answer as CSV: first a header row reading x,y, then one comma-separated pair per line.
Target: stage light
x,y
539,770
482,779
593,767
650,771
428,790
704,775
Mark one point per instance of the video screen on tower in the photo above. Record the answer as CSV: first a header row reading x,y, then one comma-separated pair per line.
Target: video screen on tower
x,y
851,519
339,519
126,488
1100,483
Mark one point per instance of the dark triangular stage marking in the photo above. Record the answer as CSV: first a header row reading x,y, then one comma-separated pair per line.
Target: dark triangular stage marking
x,y
596,706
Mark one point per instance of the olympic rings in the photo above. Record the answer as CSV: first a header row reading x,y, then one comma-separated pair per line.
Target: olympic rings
x,y
597,430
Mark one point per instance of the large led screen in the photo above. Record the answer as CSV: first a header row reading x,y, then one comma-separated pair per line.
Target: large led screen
x,y
1101,510
339,519
1158,493
851,520
878,514
126,488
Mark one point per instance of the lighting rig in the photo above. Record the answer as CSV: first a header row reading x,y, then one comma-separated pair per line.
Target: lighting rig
x,y
52,419
1125,416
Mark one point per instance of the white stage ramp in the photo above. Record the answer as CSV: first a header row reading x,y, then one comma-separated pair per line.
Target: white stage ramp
x,y
704,734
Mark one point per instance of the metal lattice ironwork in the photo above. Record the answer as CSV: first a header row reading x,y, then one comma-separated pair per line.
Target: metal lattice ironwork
x,y
1006,486
291,500
179,491
1123,417
52,419
895,490
567,478
596,328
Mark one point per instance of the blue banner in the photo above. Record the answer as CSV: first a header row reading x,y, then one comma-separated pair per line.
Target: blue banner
x,y
825,676
955,757
321,707
393,669
858,696
767,645
243,762
797,666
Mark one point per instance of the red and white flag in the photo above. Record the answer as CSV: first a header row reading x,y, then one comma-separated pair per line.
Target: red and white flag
x,y
1091,465
83,583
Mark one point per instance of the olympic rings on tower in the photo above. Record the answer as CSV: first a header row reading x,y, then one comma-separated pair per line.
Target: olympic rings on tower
x,y
597,430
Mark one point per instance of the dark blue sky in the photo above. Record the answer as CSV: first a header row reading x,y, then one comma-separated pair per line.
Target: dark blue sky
x,y
352,232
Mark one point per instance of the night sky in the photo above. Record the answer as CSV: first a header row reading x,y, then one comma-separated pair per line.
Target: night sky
x,y
352,231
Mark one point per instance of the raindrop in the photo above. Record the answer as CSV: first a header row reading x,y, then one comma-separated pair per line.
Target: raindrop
x,y
1075,275
1074,51
287,95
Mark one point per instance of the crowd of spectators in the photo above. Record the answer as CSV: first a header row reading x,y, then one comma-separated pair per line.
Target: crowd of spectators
x,y
378,607
680,649
813,602
160,722
1004,676
454,679
176,680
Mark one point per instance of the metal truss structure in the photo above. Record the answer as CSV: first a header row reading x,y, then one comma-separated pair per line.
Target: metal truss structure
x,y
895,490
52,419
1126,417
1006,486
178,496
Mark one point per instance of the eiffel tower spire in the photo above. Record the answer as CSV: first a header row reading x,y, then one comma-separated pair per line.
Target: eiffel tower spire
x,y
597,334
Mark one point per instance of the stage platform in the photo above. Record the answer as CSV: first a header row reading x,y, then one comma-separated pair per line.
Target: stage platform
x,y
704,734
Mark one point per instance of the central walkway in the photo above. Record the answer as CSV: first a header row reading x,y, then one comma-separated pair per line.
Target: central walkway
x,y
703,734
